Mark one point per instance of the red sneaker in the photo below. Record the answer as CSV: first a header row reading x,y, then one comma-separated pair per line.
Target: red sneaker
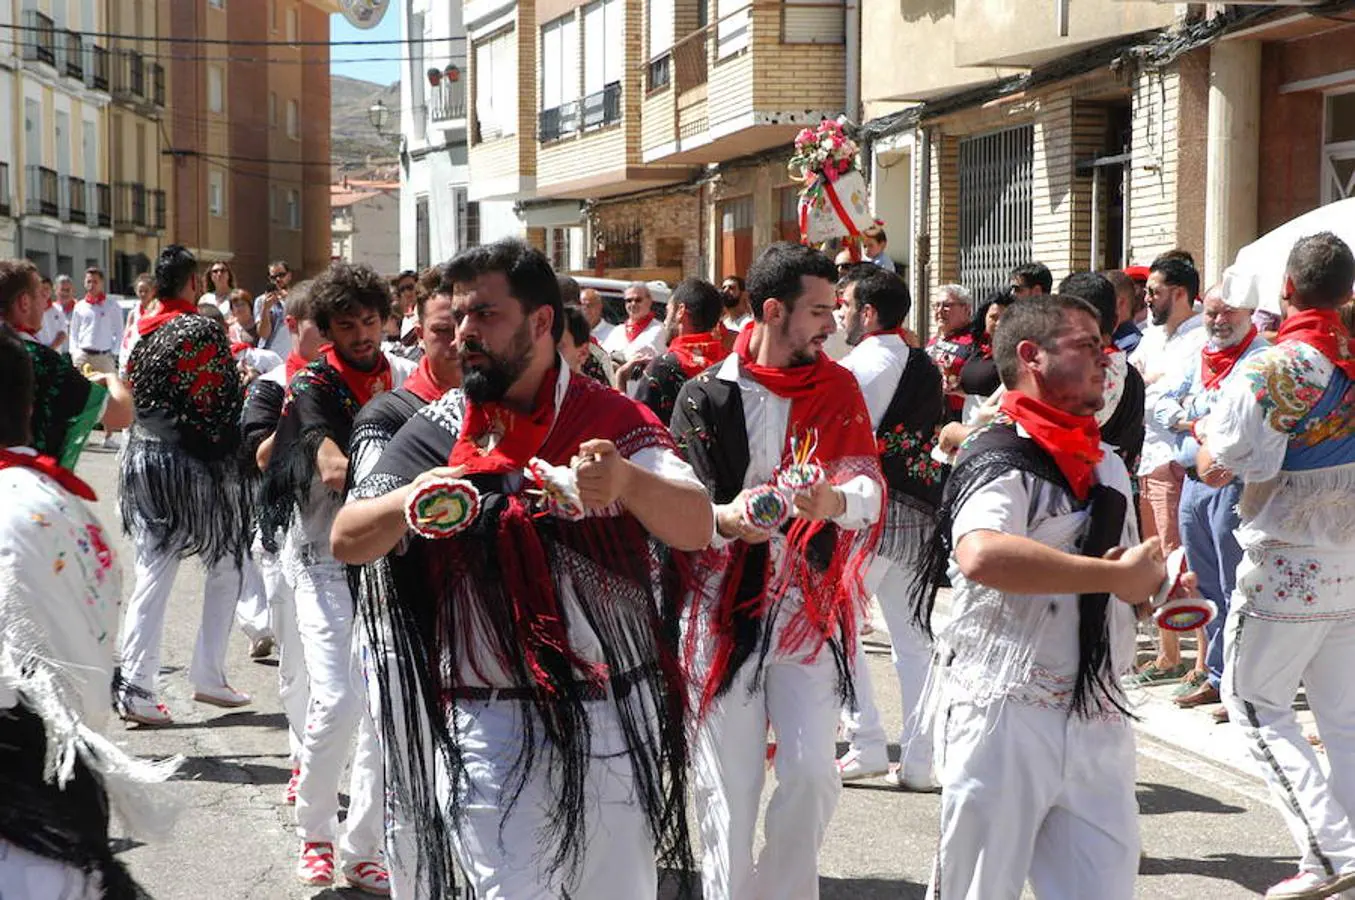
x,y
369,877
316,866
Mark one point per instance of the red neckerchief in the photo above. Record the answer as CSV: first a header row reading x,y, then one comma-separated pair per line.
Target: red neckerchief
x,y
363,384
520,435
240,347
96,299
52,469
1216,364
31,332
743,341
1323,330
635,329
424,383
67,306
1073,441
169,309
824,399
295,363
696,352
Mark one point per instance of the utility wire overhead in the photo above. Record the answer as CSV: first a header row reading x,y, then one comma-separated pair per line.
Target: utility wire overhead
x,y
232,42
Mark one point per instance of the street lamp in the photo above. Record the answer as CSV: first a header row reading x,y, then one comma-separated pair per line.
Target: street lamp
x,y
379,115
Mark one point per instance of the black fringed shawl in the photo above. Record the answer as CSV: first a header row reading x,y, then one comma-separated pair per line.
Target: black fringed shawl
x,y
990,453
182,479
318,405
430,606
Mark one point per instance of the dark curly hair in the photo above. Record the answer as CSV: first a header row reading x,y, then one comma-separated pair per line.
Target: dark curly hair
x,y
345,289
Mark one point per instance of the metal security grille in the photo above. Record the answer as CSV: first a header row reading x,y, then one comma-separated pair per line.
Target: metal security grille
x,y
996,208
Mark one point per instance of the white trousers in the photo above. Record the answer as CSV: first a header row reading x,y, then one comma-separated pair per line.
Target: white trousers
x,y
503,854
293,686
27,876
801,702
251,612
1264,661
911,654
143,627
337,712
1032,792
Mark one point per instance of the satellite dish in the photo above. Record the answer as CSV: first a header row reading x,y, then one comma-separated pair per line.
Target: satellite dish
x,y
363,13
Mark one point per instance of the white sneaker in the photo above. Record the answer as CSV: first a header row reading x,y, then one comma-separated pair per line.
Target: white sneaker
x,y
896,778
225,696
147,710
1311,886
857,766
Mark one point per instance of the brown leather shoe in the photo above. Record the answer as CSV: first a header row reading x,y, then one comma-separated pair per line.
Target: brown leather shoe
x,y
1220,715
1201,696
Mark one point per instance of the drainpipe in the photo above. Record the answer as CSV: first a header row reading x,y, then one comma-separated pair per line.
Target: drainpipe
x,y
853,69
922,237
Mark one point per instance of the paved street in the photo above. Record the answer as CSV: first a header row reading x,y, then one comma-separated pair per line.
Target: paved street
x,y
1208,830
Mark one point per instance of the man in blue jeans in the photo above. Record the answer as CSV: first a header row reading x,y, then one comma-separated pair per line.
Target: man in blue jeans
x,y
1208,513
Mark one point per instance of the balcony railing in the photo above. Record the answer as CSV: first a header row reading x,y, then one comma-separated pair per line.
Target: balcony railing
x,y
660,73
39,37
5,205
447,101
96,68
158,208
130,80
158,85
73,198
73,55
689,61
102,203
602,108
130,209
560,122
43,191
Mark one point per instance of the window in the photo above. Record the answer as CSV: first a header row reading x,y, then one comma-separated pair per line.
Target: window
x,y
561,241
496,85
732,27
217,4
294,209
813,22
996,211
89,144
661,34
140,154
421,235
216,89
293,25
467,220
559,78
216,193
604,47
1338,149
293,119
273,109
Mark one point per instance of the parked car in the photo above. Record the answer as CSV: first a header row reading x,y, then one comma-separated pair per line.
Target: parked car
x,y
613,292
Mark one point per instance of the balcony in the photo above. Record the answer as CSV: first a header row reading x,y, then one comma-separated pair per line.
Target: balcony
x,y
447,102
129,82
73,55
158,207
43,192
96,68
74,195
727,96
157,85
39,38
101,203
129,211
6,207
602,108
1025,33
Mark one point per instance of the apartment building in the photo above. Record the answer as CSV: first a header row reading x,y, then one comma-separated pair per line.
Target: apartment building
x,y
249,167
365,224
139,87
55,195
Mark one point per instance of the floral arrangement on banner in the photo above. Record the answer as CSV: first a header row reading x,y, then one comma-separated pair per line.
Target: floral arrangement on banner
x,y
833,199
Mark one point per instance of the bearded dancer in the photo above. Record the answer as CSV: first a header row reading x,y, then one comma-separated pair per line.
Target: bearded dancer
x,y
771,633
1286,427
694,310
302,491
1208,512
1036,757
532,644
182,489
438,372
902,388
263,407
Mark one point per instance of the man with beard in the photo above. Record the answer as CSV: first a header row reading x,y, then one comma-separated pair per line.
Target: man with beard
x,y
66,404
1038,780
772,626
303,489
637,340
1286,426
694,310
181,490
738,312
1208,512
531,642
439,371
1176,334
902,388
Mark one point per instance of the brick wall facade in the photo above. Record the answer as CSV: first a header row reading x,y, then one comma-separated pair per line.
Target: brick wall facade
x,y
669,216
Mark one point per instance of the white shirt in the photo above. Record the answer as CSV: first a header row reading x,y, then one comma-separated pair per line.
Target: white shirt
x,y
54,324
1157,355
222,301
602,330
651,337
97,328
878,363
262,361
737,324
280,341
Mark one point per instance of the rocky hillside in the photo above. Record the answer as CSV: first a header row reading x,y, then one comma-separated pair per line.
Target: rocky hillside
x,y
351,132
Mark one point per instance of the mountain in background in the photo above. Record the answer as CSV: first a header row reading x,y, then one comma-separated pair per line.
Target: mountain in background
x,y
352,136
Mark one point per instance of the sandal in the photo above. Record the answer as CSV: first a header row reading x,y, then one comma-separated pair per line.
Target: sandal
x,y
1152,674
1194,678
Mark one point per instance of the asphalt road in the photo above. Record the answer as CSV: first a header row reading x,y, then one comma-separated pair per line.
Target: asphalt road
x,y
1208,832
